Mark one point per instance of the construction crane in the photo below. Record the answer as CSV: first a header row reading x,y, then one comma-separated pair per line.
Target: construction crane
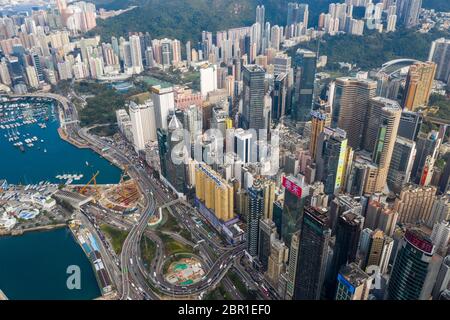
x,y
93,179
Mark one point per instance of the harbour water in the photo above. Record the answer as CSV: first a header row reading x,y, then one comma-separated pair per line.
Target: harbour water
x,y
46,155
34,266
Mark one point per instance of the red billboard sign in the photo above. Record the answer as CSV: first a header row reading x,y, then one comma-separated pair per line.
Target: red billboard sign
x,y
292,187
419,243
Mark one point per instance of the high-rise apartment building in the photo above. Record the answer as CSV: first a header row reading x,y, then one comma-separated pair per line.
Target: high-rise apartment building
x,y
408,12
414,203
214,192
440,55
419,83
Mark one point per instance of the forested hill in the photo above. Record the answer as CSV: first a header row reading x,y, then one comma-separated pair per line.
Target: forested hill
x,y
186,19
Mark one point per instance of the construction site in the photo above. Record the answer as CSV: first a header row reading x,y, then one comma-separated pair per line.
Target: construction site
x,y
122,197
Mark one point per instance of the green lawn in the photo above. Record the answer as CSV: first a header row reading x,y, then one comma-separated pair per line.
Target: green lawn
x,y
172,246
116,236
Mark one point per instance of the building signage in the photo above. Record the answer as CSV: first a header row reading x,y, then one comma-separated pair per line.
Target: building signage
x,y
292,187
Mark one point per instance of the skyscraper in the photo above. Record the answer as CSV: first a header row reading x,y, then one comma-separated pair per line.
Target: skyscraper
x,y
267,234
414,203
413,270
164,103
142,124
410,123
330,159
136,54
253,98
295,198
208,79
255,213
305,75
419,83
350,105
318,121
401,163
378,252
440,54
348,230
312,255
384,117
352,283
408,12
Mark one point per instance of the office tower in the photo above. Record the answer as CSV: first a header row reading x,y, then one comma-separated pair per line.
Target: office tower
x,y
383,120
164,103
427,146
253,98
279,96
410,123
174,156
350,105
313,254
379,251
440,55
214,193
419,83
136,54
330,159
380,216
401,164
143,124
408,12
318,120
443,279
414,203
296,195
352,283
348,230
208,79
440,236
277,260
414,269
267,234
440,210
305,75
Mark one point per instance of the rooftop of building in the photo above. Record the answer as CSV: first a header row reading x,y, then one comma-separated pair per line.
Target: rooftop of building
x,y
353,274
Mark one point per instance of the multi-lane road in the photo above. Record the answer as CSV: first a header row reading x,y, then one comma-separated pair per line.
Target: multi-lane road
x,y
136,281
